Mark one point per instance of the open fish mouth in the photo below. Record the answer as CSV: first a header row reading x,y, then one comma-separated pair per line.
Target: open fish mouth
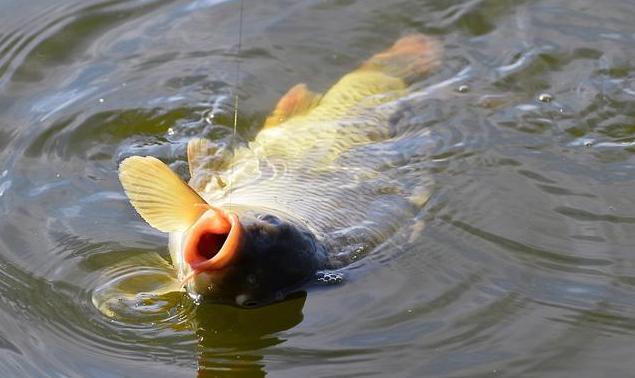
x,y
213,240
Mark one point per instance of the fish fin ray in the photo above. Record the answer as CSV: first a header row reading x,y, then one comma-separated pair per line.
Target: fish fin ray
x,y
160,197
297,101
198,152
410,57
388,73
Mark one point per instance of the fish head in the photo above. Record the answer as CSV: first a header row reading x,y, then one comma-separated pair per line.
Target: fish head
x,y
248,257
238,254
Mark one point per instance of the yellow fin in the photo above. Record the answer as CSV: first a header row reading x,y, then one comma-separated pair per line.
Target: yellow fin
x,y
388,73
198,152
297,101
159,195
410,57
205,160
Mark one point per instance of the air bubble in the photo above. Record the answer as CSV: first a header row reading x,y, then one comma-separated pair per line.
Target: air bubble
x,y
209,117
330,278
545,97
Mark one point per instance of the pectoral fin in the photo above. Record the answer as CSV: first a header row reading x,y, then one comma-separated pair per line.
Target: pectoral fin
x,y
198,152
160,196
297,101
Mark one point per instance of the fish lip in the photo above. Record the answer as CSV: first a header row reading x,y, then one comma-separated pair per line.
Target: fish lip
x,y
217,222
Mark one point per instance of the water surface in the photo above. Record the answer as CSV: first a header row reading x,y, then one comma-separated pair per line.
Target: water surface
x,y
526,263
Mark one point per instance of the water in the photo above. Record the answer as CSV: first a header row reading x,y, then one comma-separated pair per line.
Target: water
x,y
525,265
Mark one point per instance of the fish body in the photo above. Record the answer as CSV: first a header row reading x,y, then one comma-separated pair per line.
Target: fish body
x,y
317,187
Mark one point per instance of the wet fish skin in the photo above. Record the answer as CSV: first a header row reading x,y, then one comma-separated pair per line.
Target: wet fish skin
x,y
300,193
276,258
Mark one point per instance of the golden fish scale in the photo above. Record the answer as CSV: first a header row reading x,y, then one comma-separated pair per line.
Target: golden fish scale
x,y
295,168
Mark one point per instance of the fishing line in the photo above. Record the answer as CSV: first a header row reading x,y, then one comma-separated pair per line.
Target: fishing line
x,y
236,81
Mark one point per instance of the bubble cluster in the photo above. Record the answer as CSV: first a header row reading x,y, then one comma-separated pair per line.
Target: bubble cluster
x,y
330,278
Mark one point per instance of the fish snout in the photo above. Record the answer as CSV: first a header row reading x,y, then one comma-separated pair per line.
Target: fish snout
x,y
213,240
249,262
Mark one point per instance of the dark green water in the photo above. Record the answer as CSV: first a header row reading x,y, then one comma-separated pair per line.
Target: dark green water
x,y
526,266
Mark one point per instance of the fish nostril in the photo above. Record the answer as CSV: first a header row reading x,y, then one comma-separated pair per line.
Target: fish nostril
x,y
250,304
271,219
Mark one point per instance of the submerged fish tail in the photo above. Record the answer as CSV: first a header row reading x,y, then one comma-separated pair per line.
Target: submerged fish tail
x,y
408,59
383,77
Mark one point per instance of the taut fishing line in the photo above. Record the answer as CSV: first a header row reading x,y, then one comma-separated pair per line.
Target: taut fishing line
x,y
236,81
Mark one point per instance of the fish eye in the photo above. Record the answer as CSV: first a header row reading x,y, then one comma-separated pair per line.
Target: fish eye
x,y
271,219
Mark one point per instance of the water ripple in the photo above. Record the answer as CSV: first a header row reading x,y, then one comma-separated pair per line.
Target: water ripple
x,y
520,264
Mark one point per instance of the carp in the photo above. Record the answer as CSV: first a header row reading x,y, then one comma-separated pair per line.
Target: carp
x,y
317,188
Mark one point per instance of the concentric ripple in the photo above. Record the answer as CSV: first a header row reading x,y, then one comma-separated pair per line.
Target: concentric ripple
x,y
520,264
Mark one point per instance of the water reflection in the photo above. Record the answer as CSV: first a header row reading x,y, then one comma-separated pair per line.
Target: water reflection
x,y
141,293
525,266
231,339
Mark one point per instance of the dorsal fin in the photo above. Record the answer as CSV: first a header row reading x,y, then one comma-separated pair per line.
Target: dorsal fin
x,y
160,197
297,101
